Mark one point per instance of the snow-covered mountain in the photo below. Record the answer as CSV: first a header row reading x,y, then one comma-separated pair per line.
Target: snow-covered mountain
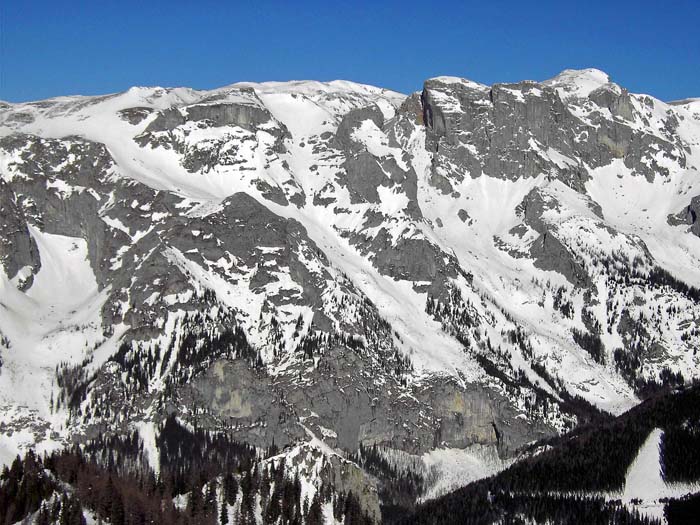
x,y
466,266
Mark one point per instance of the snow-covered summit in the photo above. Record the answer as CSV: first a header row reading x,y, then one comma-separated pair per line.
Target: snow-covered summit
x,y
579,83
461,81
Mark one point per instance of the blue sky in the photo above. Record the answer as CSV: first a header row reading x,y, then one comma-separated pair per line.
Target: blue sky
x,y
50,48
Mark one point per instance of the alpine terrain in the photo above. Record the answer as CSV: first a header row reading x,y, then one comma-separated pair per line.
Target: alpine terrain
x,y
309,302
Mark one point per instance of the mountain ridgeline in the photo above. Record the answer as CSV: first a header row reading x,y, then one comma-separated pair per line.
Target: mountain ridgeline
x,y
345,302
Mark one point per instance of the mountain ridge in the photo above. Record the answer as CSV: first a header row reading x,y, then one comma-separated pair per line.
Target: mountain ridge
x,y
462,266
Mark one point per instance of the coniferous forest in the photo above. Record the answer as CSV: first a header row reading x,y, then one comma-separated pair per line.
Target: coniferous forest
x,y
557,481
204,479
207,478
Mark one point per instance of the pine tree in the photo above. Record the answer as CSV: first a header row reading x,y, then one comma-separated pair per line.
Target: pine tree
x,y
264,487
195,503
315,516
274,510
297,493
210,499
338,506
248,498
44,515
230,488
223,512
116,513
352,510
288,501
55,510
71,511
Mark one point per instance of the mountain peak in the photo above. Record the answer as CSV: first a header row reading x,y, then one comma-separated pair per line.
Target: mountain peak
x,y
312,87
579,83
458,80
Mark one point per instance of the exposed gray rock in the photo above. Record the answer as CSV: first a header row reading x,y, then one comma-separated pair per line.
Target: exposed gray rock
x,y
340,393
618,103
167,120
507,130
547,250
246,112
18,248
689,215
72,211
410,259
246,116
464,215
135,115
351,121
550,254
249,116
363,174
490,131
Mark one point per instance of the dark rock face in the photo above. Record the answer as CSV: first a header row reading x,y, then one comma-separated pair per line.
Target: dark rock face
x,y
18,249
507,130
135,116
351,121
166,120
489,131
550,254
62,200
619,104
409,259
339,394
689,216
547,250
363,174
249,115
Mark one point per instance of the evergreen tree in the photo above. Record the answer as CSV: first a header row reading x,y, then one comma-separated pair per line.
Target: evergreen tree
x,y
338,506
210,499
116,512
264,487
195,502
315,516
71,511
44,515
230,488
223,512
55,510
248,498
352,511
274,510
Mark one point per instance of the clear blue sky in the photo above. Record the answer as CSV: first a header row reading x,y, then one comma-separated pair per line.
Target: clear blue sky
x,y
50,48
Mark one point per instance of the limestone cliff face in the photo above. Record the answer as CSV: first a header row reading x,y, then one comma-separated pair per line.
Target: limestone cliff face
x,y
18,250
507,130
339,402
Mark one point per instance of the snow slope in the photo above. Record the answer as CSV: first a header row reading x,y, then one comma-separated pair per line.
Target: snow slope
x,y
644,480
